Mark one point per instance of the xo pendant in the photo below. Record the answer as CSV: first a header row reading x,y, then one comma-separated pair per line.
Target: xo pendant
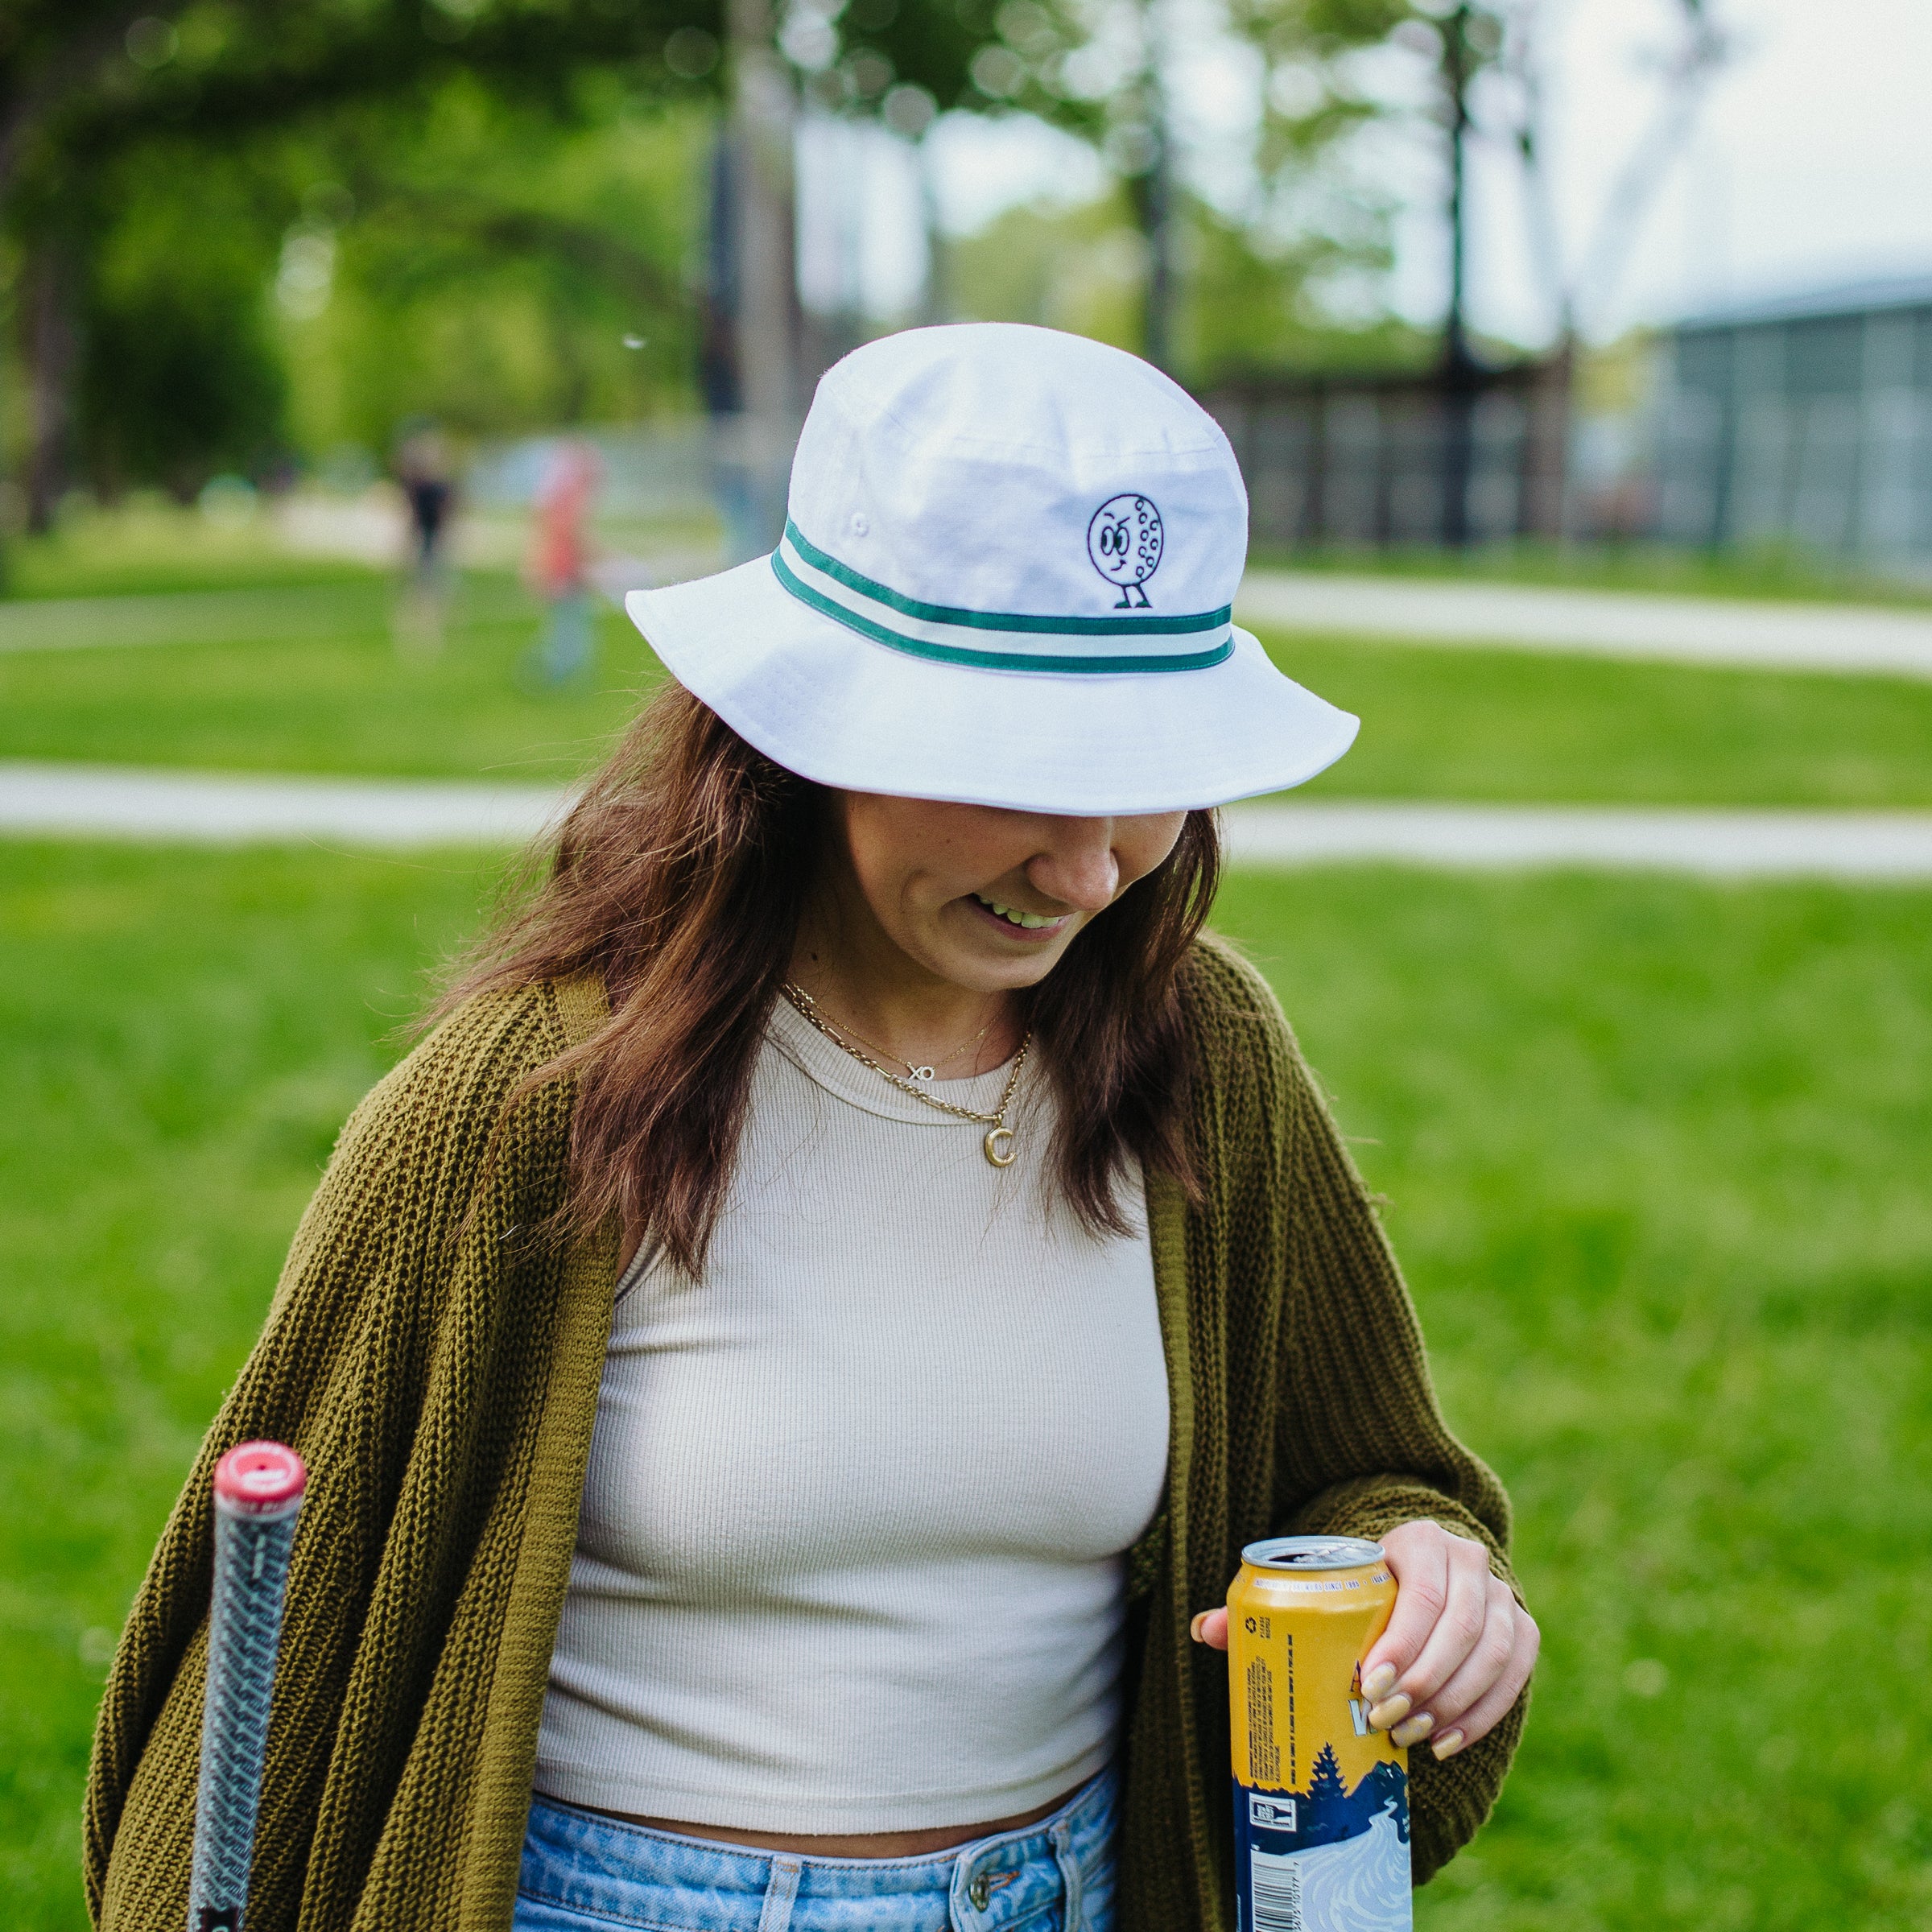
x,y
923,1075
999,1146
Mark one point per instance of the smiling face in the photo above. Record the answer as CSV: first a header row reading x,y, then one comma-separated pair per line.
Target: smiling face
x,y
977,897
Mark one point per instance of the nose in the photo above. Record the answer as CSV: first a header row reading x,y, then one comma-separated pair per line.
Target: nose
x,y
1077,865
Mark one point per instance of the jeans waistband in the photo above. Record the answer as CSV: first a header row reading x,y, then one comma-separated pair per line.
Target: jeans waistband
x,y
581,1861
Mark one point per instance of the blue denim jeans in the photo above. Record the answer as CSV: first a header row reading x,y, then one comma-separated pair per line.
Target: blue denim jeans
x,y
583,1871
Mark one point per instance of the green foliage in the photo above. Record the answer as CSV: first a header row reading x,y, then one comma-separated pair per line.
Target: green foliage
x,y
1334,25
146,175
1249,305
1073,268
1253,305
1309,222
501,197
1312,103
181,375
494,268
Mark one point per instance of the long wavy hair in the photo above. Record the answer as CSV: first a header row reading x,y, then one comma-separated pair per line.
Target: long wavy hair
x,y
680,876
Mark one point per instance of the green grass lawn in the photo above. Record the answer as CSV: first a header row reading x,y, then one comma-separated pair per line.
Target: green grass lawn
x,y
334,695
151,546
1654,1155
1779,575
1508,724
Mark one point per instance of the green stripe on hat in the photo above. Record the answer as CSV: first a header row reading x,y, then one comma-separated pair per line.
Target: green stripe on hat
x,y
998,660
999,620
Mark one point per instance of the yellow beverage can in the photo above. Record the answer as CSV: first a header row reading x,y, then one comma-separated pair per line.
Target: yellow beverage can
x,y
1321,1801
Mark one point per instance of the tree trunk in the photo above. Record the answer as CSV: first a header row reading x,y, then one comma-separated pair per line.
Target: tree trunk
x,y
763,119
1151,195
1459,372
53,356
768,324
1161,288
936,305
1546,491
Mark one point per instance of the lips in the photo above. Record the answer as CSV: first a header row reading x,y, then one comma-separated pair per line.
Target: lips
x,y
1020,920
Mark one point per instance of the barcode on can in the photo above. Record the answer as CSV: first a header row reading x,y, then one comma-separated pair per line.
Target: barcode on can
x,y
1276,1892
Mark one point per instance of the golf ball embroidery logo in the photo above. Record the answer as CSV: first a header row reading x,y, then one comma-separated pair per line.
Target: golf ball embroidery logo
x,y
1123,541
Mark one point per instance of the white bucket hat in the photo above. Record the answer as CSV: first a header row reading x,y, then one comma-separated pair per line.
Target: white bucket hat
x,y
1006,578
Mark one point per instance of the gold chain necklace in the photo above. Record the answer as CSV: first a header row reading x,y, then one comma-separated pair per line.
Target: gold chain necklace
x,y
998,1143
912,1067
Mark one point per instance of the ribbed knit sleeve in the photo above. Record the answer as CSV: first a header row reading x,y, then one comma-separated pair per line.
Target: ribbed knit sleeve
x,y
410,1354
1365,1446
1356,1440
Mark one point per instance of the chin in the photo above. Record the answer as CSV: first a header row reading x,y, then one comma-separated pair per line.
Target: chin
x,y
1008,974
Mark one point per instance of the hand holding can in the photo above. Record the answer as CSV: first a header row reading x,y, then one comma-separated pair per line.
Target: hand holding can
x,y
1321,1796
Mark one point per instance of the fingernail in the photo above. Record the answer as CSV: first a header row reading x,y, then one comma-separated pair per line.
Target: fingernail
x,y
1379,1682
1412,1731
1447,1744
1193,1629
1390,1712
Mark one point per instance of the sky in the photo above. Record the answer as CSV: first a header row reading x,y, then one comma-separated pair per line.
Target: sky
x,y
1811,164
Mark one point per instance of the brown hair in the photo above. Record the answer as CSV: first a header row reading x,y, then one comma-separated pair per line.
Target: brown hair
x,y
680,876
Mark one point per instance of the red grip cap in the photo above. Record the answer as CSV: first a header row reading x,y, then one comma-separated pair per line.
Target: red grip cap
x,y
259,1478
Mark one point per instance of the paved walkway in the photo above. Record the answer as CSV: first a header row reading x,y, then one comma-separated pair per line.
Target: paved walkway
x,y
1712,843
120,802
78,801
1609,624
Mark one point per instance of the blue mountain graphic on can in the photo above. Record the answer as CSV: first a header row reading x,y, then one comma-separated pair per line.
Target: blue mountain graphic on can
x,y
1326,1858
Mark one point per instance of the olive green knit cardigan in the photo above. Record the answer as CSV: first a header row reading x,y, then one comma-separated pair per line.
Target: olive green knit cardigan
x,y
436,1361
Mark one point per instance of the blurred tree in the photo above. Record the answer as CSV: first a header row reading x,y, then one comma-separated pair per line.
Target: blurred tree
x,y
1249,305
1080,268
1099,69
86,84
1244,306
89,86
492,268
179,374
1581,273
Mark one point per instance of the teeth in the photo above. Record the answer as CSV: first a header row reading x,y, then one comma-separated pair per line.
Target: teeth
x,y
1029,922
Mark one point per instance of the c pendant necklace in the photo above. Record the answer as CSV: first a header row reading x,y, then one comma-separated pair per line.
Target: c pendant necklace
x,y
997,1144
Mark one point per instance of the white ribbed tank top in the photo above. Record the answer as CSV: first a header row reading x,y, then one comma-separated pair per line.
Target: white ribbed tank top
x,y
850,1557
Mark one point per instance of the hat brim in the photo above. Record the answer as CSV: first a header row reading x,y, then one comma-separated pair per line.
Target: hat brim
x,y
837,707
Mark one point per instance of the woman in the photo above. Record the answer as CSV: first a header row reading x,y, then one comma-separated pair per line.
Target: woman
x,y
789,1366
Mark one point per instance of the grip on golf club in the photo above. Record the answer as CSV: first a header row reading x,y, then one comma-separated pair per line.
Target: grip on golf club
x,y
259,1478
258,1491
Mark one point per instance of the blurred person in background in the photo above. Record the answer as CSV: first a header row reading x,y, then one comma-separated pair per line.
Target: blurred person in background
x,y
789,1365
557,569
426,469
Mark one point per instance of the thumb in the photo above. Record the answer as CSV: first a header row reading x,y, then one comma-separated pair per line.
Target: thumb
x,y
1210,1627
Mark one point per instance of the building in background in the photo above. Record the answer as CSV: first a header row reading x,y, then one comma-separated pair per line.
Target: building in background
x,y
1806,422
1467,454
